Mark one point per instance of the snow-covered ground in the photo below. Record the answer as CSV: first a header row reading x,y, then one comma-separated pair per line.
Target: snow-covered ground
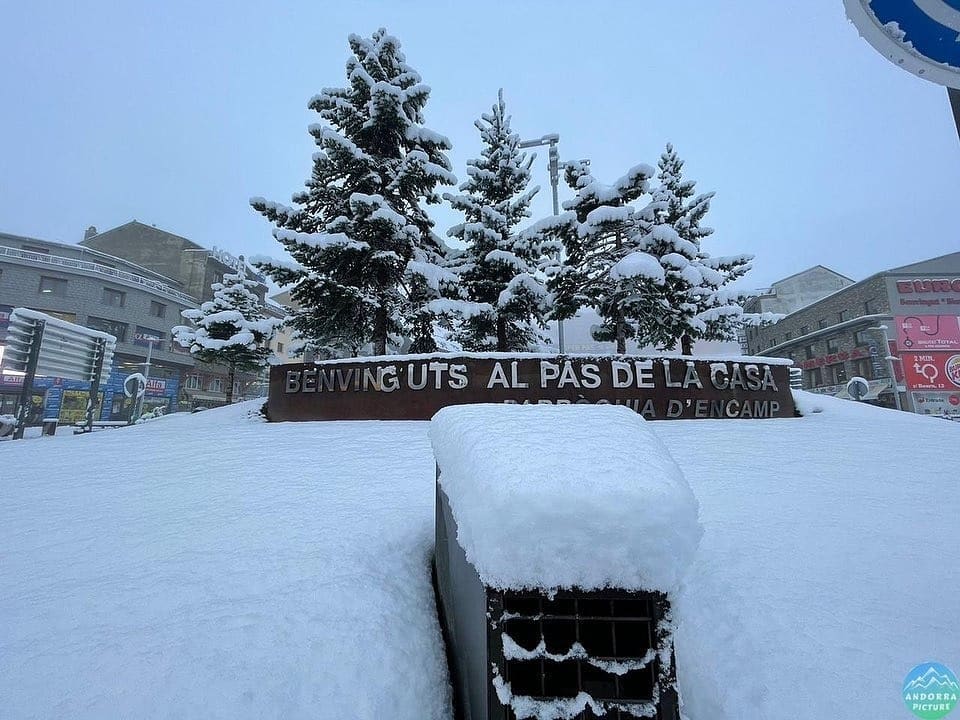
x,y
215,566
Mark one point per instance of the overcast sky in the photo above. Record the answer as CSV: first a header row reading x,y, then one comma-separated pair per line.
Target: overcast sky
x,y
176,113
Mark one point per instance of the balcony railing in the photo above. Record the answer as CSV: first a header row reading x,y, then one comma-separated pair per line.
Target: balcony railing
x,y
98,269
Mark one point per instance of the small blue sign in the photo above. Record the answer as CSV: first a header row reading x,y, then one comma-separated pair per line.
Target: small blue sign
x,y
922,36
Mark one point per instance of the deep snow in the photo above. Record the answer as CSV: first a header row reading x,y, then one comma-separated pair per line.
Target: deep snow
x,y
214,566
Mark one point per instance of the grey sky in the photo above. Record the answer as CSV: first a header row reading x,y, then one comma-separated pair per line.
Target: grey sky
x,y
175,113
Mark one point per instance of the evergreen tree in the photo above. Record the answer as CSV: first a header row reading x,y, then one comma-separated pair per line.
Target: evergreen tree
x,y
230,330
501,269
367,262
696,305
606,268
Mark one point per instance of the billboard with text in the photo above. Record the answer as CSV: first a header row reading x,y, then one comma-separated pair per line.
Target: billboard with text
x,y
928,332
932,370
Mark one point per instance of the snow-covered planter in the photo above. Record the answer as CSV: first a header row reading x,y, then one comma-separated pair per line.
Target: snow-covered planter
x,y
562,532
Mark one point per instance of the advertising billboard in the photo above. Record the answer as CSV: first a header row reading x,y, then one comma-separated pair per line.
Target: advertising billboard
x,y
928,332
937,403
932,370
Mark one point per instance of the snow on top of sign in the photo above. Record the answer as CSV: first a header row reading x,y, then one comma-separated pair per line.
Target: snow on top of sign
x,y
581,496
555,357
57,322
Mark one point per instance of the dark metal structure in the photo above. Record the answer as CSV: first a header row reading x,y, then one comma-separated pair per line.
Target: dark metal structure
x,y
508,648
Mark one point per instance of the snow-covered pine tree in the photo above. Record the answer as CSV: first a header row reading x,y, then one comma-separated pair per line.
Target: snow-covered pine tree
x,y
230,330
501,268
696,304
606,267
367,263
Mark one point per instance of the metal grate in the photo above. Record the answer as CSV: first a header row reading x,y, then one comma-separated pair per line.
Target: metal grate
x,y
607,644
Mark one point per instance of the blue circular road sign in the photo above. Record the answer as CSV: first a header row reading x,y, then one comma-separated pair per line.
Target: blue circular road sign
x,y
922,36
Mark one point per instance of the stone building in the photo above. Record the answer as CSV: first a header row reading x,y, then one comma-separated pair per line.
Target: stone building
x,y
194,267
898,329
797,291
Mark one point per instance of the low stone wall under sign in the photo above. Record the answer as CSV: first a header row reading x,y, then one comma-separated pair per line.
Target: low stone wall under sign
x,y
414,387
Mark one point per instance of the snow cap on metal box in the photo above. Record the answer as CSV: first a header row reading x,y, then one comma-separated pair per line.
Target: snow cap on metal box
x,y
564,496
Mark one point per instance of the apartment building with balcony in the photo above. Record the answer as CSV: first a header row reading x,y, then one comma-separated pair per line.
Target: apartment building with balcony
x,y
87,287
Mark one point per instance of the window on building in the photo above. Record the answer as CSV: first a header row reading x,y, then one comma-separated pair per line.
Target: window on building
x,y
158,309
116,298
118,329
843,315
824,323
837,374
216,385
788,336
193,382
864,338
804,329
808,351
35,249
53,286
279,348
236,388
814,378
833,345
872,306
863,368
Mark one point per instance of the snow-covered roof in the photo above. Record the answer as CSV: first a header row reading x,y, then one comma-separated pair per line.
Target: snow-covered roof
x,y
283,570
571,496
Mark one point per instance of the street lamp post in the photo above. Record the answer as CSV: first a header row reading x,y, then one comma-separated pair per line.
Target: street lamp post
x,y
138,405
553,165
882,329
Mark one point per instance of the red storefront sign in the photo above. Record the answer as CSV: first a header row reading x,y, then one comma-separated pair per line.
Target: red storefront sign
x,y
942,285
156,385
932,370
834,358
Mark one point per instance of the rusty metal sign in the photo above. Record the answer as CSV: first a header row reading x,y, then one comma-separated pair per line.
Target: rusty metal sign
x,y
416,387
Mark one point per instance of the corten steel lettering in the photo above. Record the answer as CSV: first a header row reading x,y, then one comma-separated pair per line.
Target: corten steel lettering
x,y
415,388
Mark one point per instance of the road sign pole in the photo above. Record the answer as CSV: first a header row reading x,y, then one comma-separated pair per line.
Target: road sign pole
x,y
954,95
26,392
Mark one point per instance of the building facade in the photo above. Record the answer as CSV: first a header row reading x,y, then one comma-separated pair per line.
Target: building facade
x,y
195,269
137,303
898,329
86,287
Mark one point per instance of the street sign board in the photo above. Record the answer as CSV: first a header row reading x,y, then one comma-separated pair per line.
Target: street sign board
x,y
857,387
40,344
920,36
415,387
65,349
